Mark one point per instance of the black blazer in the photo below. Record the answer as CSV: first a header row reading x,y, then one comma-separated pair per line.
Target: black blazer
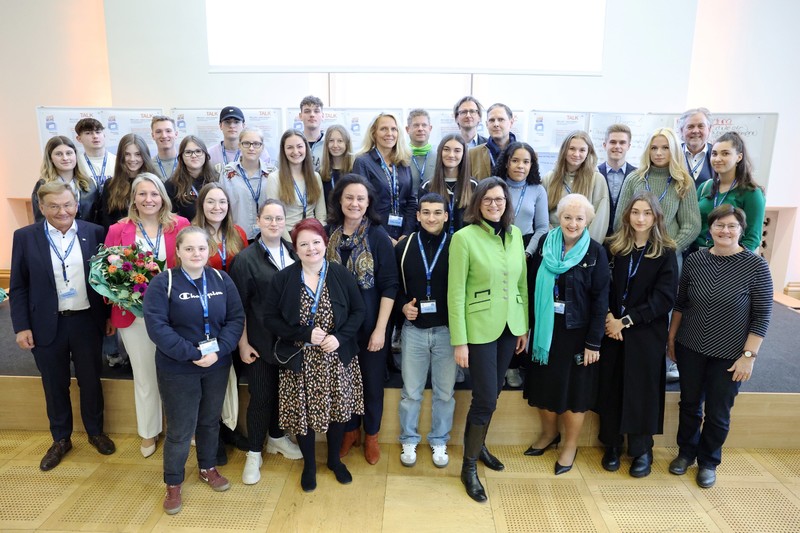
x,y
283,313
34,301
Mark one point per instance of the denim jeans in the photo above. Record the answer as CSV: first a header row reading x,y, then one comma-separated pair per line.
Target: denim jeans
x,y
425,349
704,378
193,405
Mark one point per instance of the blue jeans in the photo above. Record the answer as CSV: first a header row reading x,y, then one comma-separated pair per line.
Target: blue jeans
x,y
192,405
425,349
706,380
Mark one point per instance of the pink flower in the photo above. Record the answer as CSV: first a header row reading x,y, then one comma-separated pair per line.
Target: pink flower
x,y
113,258
139,263
151,266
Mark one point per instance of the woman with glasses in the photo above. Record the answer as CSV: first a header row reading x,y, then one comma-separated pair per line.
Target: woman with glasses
x,y
487,302
60,163
720,318
194,170
245,181
452,179
734,185
295,183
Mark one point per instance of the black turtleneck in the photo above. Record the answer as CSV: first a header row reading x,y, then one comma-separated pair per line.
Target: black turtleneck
x,y
412,270
498,229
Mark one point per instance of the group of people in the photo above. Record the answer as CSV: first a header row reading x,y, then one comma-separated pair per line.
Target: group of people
x,y
301,271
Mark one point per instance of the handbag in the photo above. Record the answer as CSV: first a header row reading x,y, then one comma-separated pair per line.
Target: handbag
x,y
287,355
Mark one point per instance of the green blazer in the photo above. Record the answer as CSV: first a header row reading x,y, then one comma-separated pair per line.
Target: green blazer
x,y
487,285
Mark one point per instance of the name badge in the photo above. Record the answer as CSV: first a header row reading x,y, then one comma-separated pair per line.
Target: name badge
x,y
558,307
208,346
395,220
427,306
68,293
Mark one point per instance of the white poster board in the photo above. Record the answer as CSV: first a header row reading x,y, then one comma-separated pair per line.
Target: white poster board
x,y
547,130
356,121
54,121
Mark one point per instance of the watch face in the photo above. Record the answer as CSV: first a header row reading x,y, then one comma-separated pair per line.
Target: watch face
x,y
748,353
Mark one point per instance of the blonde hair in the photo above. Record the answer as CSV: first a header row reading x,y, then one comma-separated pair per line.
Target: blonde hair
x,y
286,187
677,169
584,177
623,240
48,170
165,215
400,154
325,169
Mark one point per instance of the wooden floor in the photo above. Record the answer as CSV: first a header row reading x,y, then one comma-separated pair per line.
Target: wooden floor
x,y
757,490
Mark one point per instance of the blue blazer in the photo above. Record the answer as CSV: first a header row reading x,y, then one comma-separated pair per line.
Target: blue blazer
x,y
34,301
707,172
603,169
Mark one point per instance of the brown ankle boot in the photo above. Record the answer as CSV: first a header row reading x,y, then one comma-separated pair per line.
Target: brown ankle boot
x,y
372,450
350,439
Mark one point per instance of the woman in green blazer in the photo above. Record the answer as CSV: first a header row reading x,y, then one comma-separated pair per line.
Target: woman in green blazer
x,y
487,304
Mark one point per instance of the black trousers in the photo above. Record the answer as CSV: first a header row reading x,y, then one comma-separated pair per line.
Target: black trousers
x,y
262,411
373,375
487,367
77,340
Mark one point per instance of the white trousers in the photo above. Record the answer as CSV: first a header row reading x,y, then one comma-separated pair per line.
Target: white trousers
x,y
142,354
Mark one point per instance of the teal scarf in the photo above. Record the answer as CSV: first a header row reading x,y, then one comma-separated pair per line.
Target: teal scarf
x,y
420,150
544,301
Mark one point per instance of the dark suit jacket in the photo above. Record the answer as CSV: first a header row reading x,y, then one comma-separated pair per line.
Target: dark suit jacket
x,y
34,301
707,172
603,169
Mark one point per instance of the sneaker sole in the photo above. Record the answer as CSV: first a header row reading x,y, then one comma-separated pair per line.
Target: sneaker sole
x,y
442,465
408,465
173,511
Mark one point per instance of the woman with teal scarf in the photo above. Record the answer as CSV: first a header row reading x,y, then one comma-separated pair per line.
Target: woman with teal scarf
x,y
570,276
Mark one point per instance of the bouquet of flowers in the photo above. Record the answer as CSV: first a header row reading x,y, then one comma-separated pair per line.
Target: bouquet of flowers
x,y
122,274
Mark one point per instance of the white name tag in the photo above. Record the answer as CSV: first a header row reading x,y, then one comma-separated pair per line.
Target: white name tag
x,y
395,220
428,306
558,307
67,294
209,346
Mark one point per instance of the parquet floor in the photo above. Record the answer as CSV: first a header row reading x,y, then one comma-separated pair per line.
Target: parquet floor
x,y
758,490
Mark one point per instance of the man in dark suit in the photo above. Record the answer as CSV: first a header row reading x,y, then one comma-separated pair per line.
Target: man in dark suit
x,y
58,316
614,169
695,128
468,113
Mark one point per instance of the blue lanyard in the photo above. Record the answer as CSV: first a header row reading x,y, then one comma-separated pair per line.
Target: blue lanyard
x,y
491,157
566,187
225,155
256,194
451,212
424,163
303,197
223,253
392,179
155,248
61,258
647,186
101,178
693,169
203,299
716,204
555,283
429,269
334,173
280,247
631,274
320,287
521,196
161,167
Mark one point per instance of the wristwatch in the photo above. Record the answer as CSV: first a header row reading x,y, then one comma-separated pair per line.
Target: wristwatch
x,y
626,321
749,355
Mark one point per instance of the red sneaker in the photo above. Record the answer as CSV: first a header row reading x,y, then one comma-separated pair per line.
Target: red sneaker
x,y
215,480
172,501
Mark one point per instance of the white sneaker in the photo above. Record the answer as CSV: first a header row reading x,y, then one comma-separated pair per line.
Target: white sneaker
x,y
440,457
252,468
285,447
513,378
672,373
409,455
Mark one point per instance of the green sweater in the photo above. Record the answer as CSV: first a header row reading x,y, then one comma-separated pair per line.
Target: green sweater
x,y
752,203
681,216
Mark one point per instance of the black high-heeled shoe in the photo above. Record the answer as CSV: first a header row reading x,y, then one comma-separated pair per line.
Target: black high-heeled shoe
x,y
562,469
540,451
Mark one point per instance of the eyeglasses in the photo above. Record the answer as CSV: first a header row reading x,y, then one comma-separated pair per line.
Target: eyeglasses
x,y
270,220
465,112
500,200
248,144
193,153
729,227
55,208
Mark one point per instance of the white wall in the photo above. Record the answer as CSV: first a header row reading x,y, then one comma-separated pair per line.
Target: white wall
x,y
744,60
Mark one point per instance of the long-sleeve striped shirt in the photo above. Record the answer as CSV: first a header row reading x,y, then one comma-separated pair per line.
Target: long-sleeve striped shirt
x,y
723,299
